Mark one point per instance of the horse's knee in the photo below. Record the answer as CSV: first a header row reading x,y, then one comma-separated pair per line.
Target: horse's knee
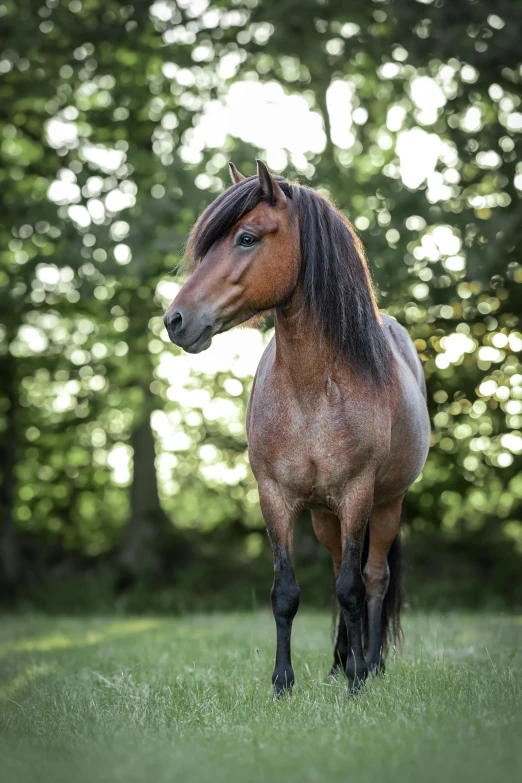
x,y
285,597
351,591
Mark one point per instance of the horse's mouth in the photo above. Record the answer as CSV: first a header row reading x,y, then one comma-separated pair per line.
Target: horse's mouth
x,y
201,343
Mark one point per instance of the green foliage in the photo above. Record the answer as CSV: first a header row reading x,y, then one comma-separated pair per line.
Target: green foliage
x,y
102,174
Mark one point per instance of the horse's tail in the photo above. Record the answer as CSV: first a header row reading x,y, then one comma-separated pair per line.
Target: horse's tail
x,y
392,604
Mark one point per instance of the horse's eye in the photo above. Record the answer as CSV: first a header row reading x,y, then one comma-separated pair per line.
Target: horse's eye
x,y
247,240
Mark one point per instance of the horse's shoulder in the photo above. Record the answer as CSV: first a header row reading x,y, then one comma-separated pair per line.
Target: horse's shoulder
x,y
266,357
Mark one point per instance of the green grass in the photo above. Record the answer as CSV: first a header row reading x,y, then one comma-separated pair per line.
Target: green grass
x,y
115,699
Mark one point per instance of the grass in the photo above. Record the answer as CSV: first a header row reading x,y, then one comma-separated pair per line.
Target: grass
x,y
144,699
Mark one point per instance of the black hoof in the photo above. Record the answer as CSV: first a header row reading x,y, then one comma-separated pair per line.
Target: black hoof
x,y
336,671
354,686
356,678
376,667
283,682
339,665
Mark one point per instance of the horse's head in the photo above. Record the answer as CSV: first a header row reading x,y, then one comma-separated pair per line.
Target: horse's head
x,y
245,251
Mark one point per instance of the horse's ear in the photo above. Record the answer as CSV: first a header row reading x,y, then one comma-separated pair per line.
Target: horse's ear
x,y
269,186
235,174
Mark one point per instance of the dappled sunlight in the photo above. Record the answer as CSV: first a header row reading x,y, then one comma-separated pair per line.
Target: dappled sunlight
x,y
26,677
62,641
264,115
236,354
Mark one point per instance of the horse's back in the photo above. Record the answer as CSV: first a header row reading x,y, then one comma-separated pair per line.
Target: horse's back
x,y
404,349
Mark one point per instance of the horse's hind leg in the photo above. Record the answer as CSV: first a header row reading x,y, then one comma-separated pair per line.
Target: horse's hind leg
x,y
384,527
328,531
279,520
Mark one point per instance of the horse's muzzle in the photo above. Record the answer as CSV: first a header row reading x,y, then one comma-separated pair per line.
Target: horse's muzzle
x,y
192,334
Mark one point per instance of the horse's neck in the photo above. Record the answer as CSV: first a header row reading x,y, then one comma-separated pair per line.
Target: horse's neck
x,y
303,351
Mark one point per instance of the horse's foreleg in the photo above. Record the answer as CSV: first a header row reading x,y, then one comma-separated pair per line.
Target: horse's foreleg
x,y
279,519
384,527
350,587
327,528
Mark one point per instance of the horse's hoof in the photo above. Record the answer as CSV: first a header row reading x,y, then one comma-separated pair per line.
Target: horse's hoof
x,y
336,671
376,667
355,686
283,682
356,678
281,693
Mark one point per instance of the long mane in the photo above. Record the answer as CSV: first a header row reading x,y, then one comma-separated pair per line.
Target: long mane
x,y
336,282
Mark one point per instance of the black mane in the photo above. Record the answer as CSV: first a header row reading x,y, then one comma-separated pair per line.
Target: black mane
x,y
335,277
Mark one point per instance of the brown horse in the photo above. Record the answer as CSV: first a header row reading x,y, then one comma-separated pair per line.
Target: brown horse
x,y
337,419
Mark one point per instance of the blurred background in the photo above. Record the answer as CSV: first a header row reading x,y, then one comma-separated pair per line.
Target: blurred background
x,y
124,475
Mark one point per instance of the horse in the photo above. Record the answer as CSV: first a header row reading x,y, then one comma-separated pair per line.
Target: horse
x,y
337,420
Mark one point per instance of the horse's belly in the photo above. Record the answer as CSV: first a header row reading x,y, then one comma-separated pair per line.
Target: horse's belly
x,y
409,444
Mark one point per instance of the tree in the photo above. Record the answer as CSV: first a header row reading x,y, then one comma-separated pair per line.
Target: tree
x,y
104,170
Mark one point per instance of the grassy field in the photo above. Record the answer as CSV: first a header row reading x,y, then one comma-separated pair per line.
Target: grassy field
x,y
144,699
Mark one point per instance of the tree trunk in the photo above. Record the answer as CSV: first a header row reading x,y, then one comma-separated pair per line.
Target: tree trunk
x,y
139,552
10,561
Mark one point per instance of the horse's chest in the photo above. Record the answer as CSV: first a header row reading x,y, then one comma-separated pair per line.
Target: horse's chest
x,y
310,451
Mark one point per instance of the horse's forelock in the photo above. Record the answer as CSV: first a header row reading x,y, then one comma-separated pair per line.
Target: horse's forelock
x,y
223,213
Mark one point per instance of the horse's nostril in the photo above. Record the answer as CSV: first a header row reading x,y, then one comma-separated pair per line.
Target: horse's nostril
x,y
177,320
174,322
